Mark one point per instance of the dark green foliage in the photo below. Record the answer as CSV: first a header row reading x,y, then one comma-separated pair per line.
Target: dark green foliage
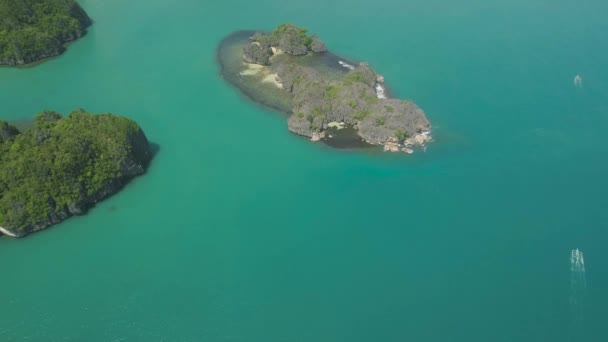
x,y
7,131
318,116
288,36
64,165
290,39
319,93
362,74
401,134
310,118
361,115
371,100
31,30
262,39
332,91
317,112
353,77
257,53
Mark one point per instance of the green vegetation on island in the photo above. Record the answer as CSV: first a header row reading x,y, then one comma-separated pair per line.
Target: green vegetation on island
x,y
64,165
322,93
288,38
31,30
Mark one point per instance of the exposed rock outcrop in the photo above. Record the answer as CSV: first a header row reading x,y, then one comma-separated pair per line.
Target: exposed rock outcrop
x,y
352,94
291,39
318,101
7,131
317,45
317,136
286,38
255,53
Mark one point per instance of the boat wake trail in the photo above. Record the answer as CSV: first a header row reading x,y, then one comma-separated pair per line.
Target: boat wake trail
x,y
578,81
578,288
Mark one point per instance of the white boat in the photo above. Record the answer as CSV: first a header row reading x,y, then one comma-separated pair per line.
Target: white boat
x,y
577,261
578,81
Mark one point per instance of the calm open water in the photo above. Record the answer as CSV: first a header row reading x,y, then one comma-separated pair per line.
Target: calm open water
x,y
244,232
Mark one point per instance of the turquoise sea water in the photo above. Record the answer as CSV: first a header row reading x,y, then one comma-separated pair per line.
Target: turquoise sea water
x,y
241,231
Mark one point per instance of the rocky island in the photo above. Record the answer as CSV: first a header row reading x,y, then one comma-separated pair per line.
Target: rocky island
x,y
32,30
327,98
64,165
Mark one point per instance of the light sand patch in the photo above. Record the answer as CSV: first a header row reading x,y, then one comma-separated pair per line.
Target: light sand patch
x,y
263,72
336,124
273,78
275,53
251,69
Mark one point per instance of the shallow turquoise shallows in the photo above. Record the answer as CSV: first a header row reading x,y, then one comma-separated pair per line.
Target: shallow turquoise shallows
x,y
242,231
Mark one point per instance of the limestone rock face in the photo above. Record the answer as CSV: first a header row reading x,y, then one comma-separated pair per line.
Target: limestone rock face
x,y
317,45
316,136
318,101
393,118
290,39
288,46
391,147
324,89
255,53
363,73
7,131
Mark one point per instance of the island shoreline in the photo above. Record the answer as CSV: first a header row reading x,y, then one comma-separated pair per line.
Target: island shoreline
x,y
241,91
354,144
56,24
122,152
6,232
247,60
49,58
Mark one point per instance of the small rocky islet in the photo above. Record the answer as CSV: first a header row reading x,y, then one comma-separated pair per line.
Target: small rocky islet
x,y
56,167
327,98
33,30
63,166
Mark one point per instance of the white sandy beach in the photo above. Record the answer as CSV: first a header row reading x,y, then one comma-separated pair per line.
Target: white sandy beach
x,y
272,78
262,71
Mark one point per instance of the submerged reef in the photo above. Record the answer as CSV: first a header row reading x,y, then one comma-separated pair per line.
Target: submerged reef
x,y
327,98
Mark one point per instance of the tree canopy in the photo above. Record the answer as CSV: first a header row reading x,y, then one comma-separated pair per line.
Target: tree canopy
x,y
65,163
31,30
287,37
